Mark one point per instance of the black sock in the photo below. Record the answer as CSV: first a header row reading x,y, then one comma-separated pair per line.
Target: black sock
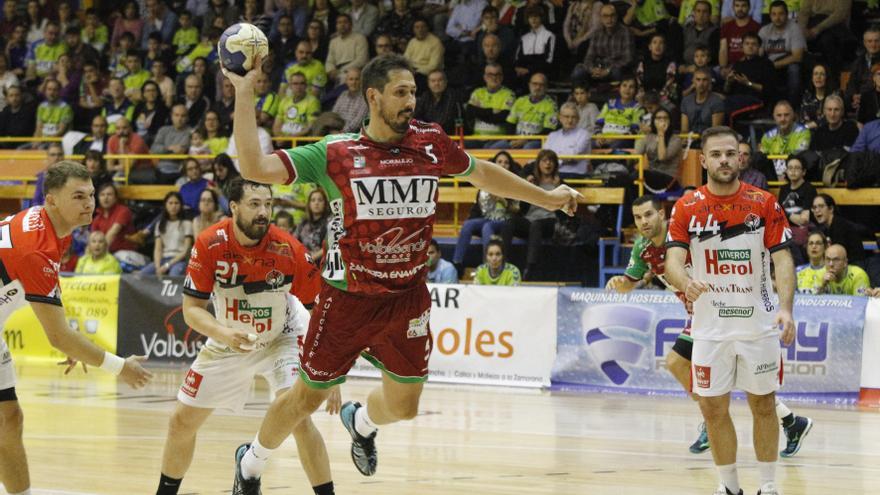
x,y
788,421
325,489
168,485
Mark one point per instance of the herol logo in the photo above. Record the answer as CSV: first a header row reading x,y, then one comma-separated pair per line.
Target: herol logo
x,y
611,334
191,383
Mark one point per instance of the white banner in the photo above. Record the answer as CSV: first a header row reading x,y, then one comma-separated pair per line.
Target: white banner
x,y
871,346
489,336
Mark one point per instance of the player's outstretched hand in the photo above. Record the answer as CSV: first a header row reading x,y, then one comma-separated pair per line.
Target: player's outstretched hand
x,y
334,400
134,374
615,283
694,289
71,364
562,198
245,82
786,323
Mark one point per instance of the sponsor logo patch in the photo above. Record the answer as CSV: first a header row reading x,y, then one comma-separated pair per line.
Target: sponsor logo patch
x,y
381,198
703,376
736,312
191,383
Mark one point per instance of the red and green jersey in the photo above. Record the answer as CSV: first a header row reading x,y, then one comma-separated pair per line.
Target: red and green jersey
x,y
383,199
646,257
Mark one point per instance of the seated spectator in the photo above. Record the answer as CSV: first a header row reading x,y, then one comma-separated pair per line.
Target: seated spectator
x,y
839,277
495,270
310,67
702,31
809,275
570,140
488,214
440,271
623,114
835,132
136,76
172,139
489,106
350,105
297,111
97,168
464,21
365,17
505,37
657,71
868,138
536,49
284,42
747,172
198,147
787,138
205,50
440,104
18,119
312,231
195,102
224,173
127,142
97,260
869,100
54,154
750,81
224,105
173,240
532,114
492,52
267,100
216,138
424,52
96,141
118,106
610,51
701,61
44,54
186,37
733,31
116,65
284,221
94,32
703,108
54,115
826,29
151,113
159,73
191,189
838,229
114,219
91,93
159,19
689,10
348,50
784,45
861,77
210,211
537,223
663,150
588,112
68,77
128,22
796,196
582,19
814,96
383,45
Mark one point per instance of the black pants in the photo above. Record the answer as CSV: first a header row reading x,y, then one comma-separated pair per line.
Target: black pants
x,y
535,232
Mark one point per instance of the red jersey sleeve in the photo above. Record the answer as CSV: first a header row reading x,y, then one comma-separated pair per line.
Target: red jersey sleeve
x,y
199,281
777,233
677,234
452,158
306,276
39,278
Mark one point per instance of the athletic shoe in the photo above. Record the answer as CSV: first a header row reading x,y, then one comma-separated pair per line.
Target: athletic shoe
x,y
702,443
796,434
769,489
363,449
723,490
242,486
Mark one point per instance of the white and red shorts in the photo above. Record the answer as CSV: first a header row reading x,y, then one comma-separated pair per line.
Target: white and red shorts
x,y
719,366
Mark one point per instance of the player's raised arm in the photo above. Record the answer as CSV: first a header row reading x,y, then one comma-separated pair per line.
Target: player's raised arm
x,y
63,338
255,166
500,182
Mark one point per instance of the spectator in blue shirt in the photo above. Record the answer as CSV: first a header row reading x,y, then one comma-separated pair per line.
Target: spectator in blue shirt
x,y
440,271
869,138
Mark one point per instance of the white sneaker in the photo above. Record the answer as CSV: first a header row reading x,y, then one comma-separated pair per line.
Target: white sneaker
x,y
769,489
723,490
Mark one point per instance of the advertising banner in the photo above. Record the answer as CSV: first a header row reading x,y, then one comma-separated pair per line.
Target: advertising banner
x,y
489,336
91,305
153,320
618,341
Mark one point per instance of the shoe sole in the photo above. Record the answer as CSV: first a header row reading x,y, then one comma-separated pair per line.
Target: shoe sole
x,y
801,440
237,461
352,433
700,451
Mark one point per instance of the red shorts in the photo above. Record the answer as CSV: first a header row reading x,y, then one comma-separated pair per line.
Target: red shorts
x,y
391,331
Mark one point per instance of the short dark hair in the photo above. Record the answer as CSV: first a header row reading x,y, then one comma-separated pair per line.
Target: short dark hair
x,y
778,3
58,174
237,186
434,243
375,74
343,14
716,132
281,214
647,198
494,242
753,35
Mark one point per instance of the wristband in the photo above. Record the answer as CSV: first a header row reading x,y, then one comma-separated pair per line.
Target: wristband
x,y
112,363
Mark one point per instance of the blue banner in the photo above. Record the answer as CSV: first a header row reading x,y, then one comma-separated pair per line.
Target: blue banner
x,y
618,342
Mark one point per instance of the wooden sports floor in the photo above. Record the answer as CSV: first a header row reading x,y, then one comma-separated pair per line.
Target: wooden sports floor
x,y
85,435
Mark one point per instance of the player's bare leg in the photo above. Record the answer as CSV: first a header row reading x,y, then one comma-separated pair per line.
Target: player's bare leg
x,y
765,436
180,442
13,460
312,452
680,368
722,435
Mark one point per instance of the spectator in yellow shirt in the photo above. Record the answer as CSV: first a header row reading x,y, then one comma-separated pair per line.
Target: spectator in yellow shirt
x,y
97,260
839,277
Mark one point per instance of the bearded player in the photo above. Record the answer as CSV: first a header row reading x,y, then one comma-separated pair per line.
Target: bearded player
x,y
648,257
380,182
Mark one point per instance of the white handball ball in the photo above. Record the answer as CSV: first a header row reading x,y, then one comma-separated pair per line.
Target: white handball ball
x,y
239,45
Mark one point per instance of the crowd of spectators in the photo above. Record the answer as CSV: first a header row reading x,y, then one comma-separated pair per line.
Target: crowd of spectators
x,y
142,77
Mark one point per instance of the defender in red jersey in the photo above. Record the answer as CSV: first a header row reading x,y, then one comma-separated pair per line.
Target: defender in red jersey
x,y
383,186
31,244
255,275
731,230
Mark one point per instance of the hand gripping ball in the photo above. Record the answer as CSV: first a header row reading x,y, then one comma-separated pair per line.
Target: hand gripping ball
x,y
239,45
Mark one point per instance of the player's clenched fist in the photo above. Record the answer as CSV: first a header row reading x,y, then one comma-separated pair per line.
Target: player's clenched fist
x,y
694,289
134,374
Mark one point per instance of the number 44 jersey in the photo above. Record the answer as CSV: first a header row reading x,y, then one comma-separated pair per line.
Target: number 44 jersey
x,y
730,239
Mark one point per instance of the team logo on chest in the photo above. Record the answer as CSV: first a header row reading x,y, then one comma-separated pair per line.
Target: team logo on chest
x,y
752,223
275,279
